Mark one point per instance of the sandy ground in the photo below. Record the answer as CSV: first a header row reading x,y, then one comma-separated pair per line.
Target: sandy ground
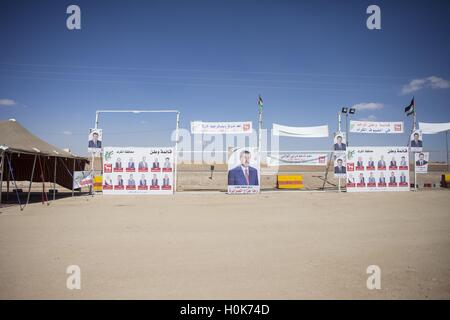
x,y
291,245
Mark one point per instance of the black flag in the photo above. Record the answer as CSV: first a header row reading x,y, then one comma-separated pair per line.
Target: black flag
x,y
411,108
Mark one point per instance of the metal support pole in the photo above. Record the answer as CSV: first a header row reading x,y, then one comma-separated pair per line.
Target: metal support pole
x,y
177,137
54,181
446,148
1,173
339,122
31,181
346,128
73,178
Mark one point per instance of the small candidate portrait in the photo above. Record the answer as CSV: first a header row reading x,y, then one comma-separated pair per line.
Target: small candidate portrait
x,y
382,178
339,168
154,181
403,162
143,181
107,181
155,164
130,164
392,178
381,163
166,181
243,174
167,164
415,141
371,163
393,162
361,178
94,141
119,180
402,178
339,145
350,179
131,181
118,164
360,162
421,161
372,178
143,163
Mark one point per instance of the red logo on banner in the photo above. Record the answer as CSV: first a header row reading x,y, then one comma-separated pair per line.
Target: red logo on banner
x,y
321,159
350,166
246,126
107,167
398,127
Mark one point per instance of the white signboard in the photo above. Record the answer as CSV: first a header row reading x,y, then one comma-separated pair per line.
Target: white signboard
x,y
433,128
376,127
297,159
95,140
131,170
421,160
244,171
300,132
377,169
82,179
200,127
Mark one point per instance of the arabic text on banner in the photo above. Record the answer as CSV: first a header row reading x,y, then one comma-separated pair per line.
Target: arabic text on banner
x,y
200,127
297,159
376,127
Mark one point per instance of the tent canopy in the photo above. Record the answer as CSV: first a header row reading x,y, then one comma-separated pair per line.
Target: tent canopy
x,y
15,138
21,149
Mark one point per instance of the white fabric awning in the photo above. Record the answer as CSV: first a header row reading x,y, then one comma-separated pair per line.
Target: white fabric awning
x,y
300,132
433,128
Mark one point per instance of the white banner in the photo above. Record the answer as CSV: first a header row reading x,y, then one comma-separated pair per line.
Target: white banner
x,y
433,128
377,169
376,127
82,179
244,171
421,160
297,159
200,127
131,170
300,132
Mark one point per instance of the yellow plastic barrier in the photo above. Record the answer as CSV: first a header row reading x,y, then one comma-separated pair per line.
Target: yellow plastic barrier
x,y
289,182
447,177
98,183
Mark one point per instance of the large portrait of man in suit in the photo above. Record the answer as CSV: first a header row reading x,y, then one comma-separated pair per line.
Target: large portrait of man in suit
x,y
95,140
340,142
416,143
243,168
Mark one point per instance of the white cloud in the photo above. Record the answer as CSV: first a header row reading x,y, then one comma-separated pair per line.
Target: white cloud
x,y
432,82
7,102
368,106
67,133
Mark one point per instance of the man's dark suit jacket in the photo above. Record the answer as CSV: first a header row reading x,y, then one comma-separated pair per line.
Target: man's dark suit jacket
x,y
415,144
424,162
236,177
155,165
92,144
338,169
340,147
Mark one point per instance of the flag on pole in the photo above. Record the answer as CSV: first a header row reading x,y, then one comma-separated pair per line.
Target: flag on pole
x,y
260,103
411,109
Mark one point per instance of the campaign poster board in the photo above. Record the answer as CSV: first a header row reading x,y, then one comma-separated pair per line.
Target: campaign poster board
x,y
371,169
138,170
421,160
297,159
339,141
244,171
95,140
339,164
82,179
415,141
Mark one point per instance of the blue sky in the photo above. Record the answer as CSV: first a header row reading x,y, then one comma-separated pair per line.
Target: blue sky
x,y
211,59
